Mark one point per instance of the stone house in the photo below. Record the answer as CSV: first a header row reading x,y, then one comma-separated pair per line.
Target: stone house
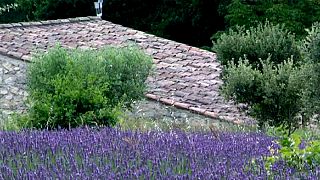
x,y
185,77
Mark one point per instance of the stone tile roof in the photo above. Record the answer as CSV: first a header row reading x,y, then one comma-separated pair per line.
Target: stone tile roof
x,y
186,77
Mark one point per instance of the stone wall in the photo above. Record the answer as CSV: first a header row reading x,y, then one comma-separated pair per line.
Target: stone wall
x,y
12,86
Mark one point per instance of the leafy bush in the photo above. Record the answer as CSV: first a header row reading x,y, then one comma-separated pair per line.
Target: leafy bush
x,y
310,46
296,153
310,50
127,70
277,92
273,95
257,43
84,87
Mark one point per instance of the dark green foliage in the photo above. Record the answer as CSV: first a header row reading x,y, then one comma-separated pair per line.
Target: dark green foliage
x,y
295,14
10,12
187,21
242,14
310,46
289,15
73,88
4,2
56,9
12,17
310,49
257,43
272,94
139,14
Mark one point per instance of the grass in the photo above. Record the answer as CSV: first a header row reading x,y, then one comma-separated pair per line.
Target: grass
x,y
9,124
148,124
152,115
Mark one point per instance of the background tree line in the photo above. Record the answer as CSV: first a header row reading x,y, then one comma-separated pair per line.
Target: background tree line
x,y
193,22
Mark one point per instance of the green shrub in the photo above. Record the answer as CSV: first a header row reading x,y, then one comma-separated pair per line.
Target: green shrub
x,y
127,71
295,152
272,94
84,87
257,43
310,46
310,50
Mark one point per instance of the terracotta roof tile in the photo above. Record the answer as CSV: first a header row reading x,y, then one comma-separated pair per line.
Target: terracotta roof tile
x,y
187,77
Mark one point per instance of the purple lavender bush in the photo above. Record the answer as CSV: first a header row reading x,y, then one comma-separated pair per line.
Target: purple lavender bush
x,y
108,153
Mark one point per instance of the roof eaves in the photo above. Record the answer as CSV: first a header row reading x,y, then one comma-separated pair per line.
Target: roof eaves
x,y
50,22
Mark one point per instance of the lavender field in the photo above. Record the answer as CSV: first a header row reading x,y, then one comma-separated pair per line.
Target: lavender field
x,y
114,154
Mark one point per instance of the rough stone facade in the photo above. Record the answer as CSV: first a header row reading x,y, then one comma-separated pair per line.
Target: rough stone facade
x,y
12,86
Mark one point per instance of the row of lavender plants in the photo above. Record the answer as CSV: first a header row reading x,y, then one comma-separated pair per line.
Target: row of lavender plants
x,y
111,153
89,88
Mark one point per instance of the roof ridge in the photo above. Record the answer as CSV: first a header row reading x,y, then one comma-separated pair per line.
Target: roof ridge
x,y
50,22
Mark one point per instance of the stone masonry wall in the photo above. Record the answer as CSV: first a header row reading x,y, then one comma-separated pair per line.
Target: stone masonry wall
x,y
12,86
